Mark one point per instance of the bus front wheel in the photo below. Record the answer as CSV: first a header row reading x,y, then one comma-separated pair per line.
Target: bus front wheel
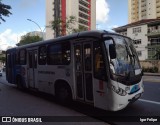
x,y
63,94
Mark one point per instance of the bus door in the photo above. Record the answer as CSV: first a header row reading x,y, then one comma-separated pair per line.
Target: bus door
x,y
32,68
10,67
83,71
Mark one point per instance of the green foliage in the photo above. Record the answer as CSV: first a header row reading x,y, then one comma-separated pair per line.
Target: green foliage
x,y
150,69
81,28
29,39
157,55
4,11
60,26
3,57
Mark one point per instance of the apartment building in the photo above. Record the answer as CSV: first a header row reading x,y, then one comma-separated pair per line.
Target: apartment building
x,y
146,36
143,9
83,10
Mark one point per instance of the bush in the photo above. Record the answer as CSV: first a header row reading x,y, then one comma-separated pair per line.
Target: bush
x,y
150,69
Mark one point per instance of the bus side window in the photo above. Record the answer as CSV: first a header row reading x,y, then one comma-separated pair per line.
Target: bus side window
x,y
17,57
99,69
9,60
22,57
66,53
42,55
59,54
54,54
30,60
88,57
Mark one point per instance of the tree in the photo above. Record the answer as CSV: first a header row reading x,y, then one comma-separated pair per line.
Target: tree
x,y
2,57
60,26
157,55
4,11
26,39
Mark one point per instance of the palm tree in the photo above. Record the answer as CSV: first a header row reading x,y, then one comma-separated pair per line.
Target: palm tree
x,y
62,27
4,11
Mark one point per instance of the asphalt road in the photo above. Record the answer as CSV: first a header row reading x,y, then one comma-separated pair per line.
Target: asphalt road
x,y
14,102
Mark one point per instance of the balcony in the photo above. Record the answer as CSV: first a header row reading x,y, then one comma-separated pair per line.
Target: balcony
x,y
151,45
153,33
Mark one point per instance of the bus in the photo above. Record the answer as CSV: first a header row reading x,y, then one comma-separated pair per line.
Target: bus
x,y
99,68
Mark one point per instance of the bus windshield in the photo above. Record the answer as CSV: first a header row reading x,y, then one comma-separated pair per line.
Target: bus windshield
x,y
126,61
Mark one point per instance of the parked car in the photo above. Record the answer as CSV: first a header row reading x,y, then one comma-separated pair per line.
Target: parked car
x,y
1,72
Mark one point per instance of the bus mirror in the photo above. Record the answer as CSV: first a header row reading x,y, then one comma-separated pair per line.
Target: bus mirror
x,y
112,51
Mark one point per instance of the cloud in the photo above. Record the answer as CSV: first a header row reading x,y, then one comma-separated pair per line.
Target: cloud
x,y
27,3
115,26
8,38
112,27
102,11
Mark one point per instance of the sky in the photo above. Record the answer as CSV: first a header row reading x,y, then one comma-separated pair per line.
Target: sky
x,y
109,14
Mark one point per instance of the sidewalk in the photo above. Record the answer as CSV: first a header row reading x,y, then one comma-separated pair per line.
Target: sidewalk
x,y
151,77
151,74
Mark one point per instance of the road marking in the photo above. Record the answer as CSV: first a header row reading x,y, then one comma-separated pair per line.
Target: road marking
x,y
143,100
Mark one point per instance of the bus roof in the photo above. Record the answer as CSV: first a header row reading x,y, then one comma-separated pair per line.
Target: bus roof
x,y
92,33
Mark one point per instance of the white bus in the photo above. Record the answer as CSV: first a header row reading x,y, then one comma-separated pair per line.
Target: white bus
x,y
95,67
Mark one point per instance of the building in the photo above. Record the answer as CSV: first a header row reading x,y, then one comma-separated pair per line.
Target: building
x,y
83,10
143,9
146,36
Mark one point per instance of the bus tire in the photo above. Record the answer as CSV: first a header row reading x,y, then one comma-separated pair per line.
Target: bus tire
x,y
63,94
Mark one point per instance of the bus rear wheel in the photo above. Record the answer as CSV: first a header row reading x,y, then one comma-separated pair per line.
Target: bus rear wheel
x,y
63,94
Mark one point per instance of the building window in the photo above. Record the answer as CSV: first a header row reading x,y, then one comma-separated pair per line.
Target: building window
x,y
137,30
83,3
83,9
83,16
137,41
83,22
139,53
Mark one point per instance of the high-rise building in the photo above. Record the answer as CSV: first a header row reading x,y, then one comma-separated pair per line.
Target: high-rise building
x,y
83,10
143,9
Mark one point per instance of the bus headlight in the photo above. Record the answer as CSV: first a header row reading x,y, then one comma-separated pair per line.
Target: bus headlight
x,y
119,91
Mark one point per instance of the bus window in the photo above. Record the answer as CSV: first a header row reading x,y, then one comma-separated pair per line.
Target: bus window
x,y
30,60
99,69
66,53
59,54
17,57
22,54
78,58
35,59
9,60
54,54
42,55
87,57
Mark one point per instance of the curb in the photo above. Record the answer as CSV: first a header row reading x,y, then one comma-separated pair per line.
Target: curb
x,y
151,74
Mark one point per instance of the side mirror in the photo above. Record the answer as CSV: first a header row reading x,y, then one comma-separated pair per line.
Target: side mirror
x,y
112,51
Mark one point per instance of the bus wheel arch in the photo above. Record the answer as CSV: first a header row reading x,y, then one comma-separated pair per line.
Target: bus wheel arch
x,y
63,92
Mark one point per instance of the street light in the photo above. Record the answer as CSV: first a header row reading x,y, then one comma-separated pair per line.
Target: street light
x,y
38,26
